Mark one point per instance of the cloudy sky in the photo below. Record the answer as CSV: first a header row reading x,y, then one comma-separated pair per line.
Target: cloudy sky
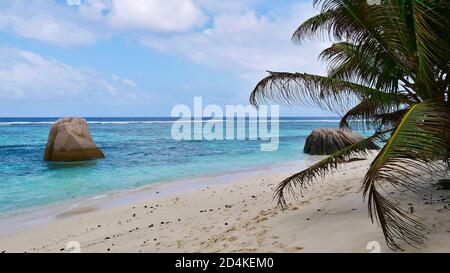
x,y
142,57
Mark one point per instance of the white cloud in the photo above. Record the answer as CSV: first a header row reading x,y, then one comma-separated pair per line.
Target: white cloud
x,y
237,38
71,24
41,21
156,15
247,44
124,81
94,10
147,15
73,2
25,74
215,6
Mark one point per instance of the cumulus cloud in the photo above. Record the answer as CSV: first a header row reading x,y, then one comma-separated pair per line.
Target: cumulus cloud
x,y
71,24
240,38
25,74
42,21
148,15
236,37
156,15
247,44
214,6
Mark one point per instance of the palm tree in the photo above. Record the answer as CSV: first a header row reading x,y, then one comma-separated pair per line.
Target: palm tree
x,y
388,71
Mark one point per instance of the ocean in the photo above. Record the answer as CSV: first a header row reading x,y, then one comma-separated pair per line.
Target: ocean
x,y
139,152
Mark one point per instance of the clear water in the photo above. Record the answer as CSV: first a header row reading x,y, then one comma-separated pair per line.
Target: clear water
x,y
139,151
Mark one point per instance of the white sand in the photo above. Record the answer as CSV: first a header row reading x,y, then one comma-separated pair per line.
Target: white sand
x,y
240,216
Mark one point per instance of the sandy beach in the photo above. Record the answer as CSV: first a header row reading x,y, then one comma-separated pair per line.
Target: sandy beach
x,y
236,215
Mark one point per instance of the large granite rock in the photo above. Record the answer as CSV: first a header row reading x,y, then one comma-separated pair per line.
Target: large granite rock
x,y
329,141
70,140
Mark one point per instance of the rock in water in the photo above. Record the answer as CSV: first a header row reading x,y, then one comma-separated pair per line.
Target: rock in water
x,y
329,141
70,140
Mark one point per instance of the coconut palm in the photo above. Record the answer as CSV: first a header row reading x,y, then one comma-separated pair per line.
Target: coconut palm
x,y
388,71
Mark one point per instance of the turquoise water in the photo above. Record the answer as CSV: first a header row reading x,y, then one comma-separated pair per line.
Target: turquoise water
x,y
139,151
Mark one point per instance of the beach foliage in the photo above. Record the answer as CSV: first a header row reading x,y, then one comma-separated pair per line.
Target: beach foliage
x,y
388,72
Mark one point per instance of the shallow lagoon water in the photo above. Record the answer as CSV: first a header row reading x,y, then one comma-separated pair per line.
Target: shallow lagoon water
x,y
139,151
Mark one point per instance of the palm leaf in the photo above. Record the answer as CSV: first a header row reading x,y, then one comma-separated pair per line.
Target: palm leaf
x,y
415,148
347,62
390,119
370,115
356,21
387,60
303,179
314,90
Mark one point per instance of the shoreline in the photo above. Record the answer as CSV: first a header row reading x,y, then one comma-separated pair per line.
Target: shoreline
x,y
237,215
29,217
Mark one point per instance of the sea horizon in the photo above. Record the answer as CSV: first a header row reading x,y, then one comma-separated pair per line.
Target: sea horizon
x,y
198,126
139,151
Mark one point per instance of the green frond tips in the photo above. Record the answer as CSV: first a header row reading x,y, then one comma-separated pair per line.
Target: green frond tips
x,y
313,90
389,66
354,63
416,148
369,115
319,170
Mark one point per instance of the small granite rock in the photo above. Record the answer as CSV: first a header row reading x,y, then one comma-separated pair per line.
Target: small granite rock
x,y
329,141
69,140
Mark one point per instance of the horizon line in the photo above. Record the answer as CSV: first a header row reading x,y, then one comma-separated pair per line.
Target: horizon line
x,y
147,117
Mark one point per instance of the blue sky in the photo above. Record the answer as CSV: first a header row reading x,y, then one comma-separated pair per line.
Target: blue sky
x,y
142,57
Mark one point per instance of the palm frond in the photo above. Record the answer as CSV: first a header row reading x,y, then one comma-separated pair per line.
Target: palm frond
x,y
319,170
390,119
347,62
363,24
430,22
316,26
314,90
389,68
416,148
370,115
